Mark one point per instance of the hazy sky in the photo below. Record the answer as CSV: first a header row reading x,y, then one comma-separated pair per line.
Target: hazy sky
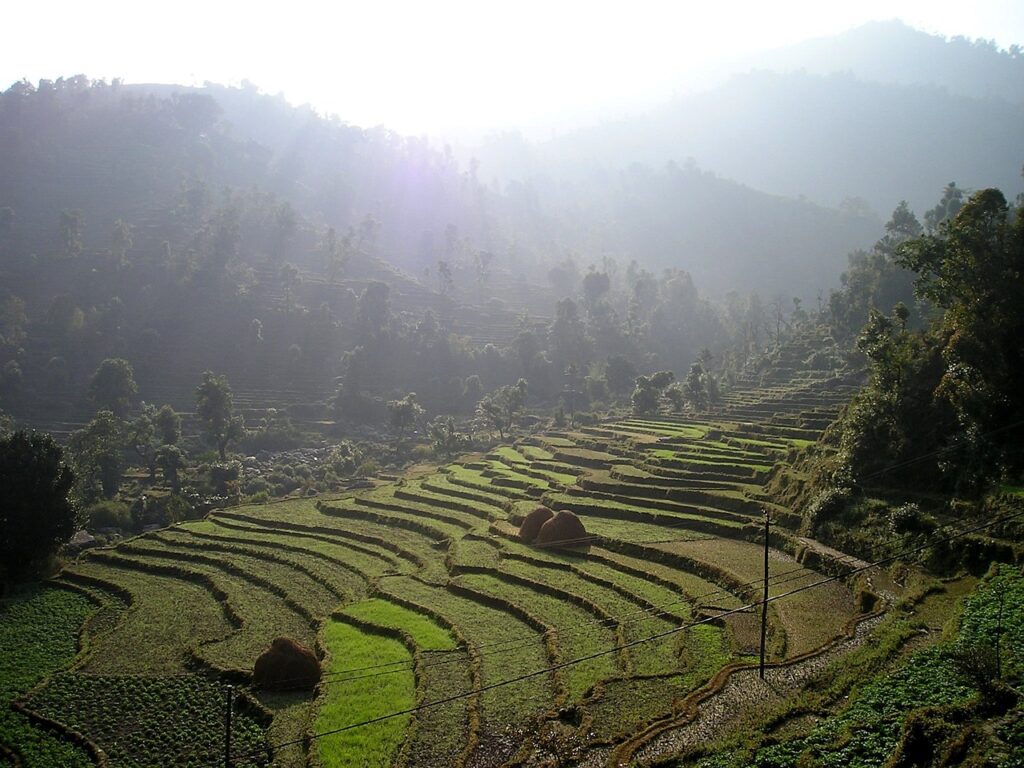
x,y
437,66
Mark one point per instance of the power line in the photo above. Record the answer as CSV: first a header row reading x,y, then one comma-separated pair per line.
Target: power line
x,y
633,643
511,644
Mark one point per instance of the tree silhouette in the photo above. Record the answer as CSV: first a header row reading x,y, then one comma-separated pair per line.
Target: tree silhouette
x,y
36,516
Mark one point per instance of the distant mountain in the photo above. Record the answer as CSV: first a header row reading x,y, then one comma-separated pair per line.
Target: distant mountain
x,y
892,52
140,153
880,114
828,138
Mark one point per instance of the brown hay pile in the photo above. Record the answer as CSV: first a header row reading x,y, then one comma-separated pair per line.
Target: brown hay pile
x,y
563,530
533,522
286,665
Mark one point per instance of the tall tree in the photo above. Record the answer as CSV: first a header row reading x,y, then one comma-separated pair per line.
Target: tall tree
x,y
404,414
97,453
36,515
216,412
112,386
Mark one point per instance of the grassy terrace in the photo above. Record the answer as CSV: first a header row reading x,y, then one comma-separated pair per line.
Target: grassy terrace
x,y
427,577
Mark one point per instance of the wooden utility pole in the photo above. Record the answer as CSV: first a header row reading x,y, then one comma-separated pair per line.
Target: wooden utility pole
x,y
229,695
764,599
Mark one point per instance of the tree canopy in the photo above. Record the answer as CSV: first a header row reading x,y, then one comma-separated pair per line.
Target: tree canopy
x,y
216,412
36,515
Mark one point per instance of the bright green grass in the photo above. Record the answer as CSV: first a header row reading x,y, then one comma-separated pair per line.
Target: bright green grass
x,y
438,733
355,564
577,633
346,702
506,647
369,559
660,428
648,589
340,583
304,512
488,502
503,470
689,585
168,617
474,553
427,525
535,453
636,620
637,532
677,520
309,594
424,631
264,616
475,479
510,454
38,627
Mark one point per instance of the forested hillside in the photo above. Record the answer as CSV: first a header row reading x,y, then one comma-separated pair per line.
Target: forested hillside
x,y
694,440
878,115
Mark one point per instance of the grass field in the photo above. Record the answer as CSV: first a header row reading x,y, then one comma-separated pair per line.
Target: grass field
x,y
419,590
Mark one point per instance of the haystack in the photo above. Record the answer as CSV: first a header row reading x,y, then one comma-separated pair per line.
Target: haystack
x,y
563,530
533,522
286,665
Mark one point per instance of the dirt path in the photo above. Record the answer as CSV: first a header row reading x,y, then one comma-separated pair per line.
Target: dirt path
x,y
743,691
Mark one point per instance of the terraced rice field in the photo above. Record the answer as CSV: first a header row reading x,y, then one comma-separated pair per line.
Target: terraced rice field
x,y
424,604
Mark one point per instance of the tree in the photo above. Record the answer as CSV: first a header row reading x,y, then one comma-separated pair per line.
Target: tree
x,y
97,455
445,436
112,386
171,460
595,285
36,515
71,233
142,436
445,277
291,281
336,253
499,408
216,412
152,429
404,413
620,373
645,396
121,241
168,425
647,391
695,388
374,310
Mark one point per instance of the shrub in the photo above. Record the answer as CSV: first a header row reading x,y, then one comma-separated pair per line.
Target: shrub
x,y
908,518
109,514
827,505
367,468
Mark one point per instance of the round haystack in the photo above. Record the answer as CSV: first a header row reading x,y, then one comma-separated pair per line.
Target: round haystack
x,y
286,665
533,522
563,530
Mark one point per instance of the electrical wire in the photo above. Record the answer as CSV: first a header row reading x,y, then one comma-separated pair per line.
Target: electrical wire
x,y
615,649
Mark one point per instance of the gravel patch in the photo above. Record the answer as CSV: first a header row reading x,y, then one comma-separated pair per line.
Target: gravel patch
x,y
743,691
